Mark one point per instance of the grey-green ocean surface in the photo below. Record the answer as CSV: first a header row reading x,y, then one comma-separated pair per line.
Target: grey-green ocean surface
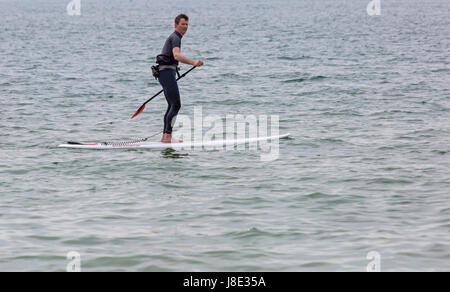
x,y
366,99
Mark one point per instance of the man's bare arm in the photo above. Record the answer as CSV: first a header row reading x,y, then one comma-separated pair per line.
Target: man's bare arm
x,y
177,55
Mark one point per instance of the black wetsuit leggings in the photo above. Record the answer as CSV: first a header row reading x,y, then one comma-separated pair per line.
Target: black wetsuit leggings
x,y
167,78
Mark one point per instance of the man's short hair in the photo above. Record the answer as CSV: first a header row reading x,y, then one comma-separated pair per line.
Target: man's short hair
x,y
179,17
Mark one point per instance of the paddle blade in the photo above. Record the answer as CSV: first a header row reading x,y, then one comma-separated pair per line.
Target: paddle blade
x,y
140,110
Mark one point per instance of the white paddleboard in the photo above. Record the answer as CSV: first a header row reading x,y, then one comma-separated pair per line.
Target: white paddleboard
x,y
159,145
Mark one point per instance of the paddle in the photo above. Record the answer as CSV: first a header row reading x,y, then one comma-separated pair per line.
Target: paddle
x,y
141,109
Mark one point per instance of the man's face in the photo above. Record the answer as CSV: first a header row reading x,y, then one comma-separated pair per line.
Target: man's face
x,y
182,27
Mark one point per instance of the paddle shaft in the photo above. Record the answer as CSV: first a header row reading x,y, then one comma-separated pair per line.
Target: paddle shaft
x,y
184,74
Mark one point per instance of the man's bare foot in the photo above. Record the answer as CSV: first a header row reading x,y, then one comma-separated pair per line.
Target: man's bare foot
x,y
167,138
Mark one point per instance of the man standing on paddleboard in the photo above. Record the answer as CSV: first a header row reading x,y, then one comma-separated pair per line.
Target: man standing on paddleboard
x,y
168,66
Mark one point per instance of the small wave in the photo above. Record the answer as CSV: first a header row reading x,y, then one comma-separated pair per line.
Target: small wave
x,y
317,195
319,77
332,141
115,262
230,75
315,265
342,113
389,181
293,58
71,78
440,152
85,241
440,70
253,232
220,253
235,102
294,80
298,80
44,237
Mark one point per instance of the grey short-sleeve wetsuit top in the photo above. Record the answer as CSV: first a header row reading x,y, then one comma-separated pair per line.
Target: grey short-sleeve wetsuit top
x,y
173,41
